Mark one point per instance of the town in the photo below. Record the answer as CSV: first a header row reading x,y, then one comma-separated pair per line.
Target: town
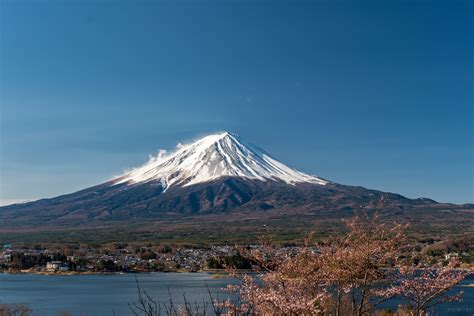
x,y
118,258
132,258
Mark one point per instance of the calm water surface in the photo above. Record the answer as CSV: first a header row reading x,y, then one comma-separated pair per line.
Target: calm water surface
x,y
108,294
104,294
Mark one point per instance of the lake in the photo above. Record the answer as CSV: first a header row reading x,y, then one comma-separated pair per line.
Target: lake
x,y
108,294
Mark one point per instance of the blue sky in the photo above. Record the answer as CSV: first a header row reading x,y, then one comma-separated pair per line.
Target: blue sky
x,y
371,93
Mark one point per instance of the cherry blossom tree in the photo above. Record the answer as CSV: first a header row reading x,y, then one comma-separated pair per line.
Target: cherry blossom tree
x,y
290,284
357,265
425,288
346,275
315,279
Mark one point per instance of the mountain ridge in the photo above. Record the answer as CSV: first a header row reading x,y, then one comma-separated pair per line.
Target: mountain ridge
x,y
218,174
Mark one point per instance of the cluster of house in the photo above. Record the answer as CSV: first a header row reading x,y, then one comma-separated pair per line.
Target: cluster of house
x,y
187,259
127,259
6,254
124,259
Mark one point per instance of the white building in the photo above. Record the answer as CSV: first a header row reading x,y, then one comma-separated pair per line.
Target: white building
x,y
56,266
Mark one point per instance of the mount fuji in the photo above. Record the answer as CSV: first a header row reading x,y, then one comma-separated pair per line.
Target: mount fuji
x,y
218,174
214,157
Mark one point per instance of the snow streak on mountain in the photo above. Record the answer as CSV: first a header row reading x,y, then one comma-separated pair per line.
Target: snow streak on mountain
x,y
213,157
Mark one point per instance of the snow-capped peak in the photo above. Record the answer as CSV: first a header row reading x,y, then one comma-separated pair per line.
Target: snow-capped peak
x,y
212,157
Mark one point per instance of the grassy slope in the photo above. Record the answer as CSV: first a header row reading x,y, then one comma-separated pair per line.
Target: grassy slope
x,y
238,228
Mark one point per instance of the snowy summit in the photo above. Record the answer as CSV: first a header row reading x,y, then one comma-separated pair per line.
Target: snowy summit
x,y
212,157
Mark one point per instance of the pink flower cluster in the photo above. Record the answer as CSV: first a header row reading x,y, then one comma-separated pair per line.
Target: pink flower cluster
x,y
351,274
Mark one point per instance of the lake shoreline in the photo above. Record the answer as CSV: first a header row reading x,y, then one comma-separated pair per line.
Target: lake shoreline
x,y
214,272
